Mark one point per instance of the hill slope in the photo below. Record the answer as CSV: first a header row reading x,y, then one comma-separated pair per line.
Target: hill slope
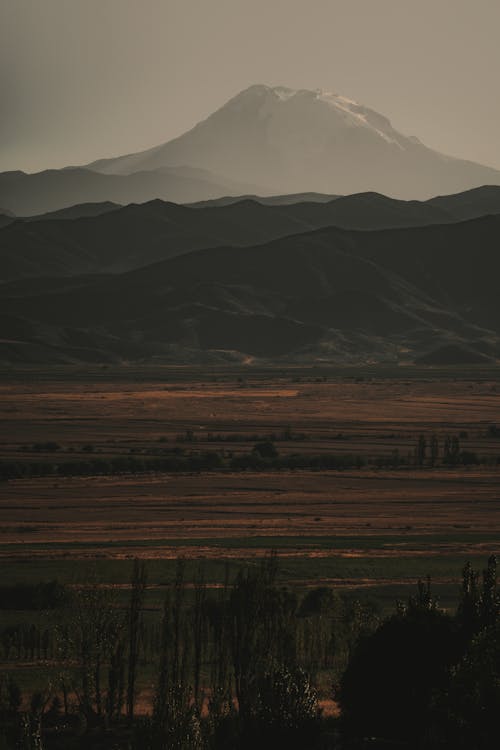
x,y
79,211
54,189
332,294
118,239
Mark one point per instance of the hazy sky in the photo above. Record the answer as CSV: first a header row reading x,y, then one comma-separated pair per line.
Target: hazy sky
x,y
83,79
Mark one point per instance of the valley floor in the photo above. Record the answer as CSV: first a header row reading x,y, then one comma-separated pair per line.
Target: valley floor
x,y
363,524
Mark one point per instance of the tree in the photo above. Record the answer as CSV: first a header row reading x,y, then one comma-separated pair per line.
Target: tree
x,y
434,449
286,711
266,449
221,707
388,687
139,581
421,449
175,723
89,636
470,703
469,606
472,699
14,695
451,450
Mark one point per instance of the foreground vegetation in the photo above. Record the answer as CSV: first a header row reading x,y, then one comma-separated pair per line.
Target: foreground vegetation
x,y
243,665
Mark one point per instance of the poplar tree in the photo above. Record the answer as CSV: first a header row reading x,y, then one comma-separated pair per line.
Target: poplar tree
x,y
139,582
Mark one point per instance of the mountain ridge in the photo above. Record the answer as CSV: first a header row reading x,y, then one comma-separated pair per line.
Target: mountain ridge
x,y
56,189
337,295
124,238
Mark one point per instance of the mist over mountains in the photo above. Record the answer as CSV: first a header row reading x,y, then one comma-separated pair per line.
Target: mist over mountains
x,y
54,189
264,141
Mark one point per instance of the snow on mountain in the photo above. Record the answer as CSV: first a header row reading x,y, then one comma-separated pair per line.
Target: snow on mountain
x,y
289,140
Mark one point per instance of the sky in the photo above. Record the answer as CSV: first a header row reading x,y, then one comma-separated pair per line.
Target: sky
x,y
85,79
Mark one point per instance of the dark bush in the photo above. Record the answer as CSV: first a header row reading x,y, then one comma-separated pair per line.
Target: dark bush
x,y
267,449
387,689
32,596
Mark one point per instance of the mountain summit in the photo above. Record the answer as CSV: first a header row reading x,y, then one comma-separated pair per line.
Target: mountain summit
x,y
289,140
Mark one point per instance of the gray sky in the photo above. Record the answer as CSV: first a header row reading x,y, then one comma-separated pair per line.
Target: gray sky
x,y
84,79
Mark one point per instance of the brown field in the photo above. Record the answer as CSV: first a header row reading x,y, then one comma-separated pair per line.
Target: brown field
x,y
159,508
375,413
351,514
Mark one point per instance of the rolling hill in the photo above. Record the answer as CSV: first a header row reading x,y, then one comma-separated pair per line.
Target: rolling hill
x,y
111,239
328,295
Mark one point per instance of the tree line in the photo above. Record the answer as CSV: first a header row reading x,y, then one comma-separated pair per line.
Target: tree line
x,y
238,667
264,456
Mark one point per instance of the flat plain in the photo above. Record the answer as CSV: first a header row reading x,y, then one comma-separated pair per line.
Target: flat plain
x,y
373,526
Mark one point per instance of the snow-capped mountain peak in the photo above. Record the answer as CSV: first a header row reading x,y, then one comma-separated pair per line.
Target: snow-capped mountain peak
x,y
297,140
